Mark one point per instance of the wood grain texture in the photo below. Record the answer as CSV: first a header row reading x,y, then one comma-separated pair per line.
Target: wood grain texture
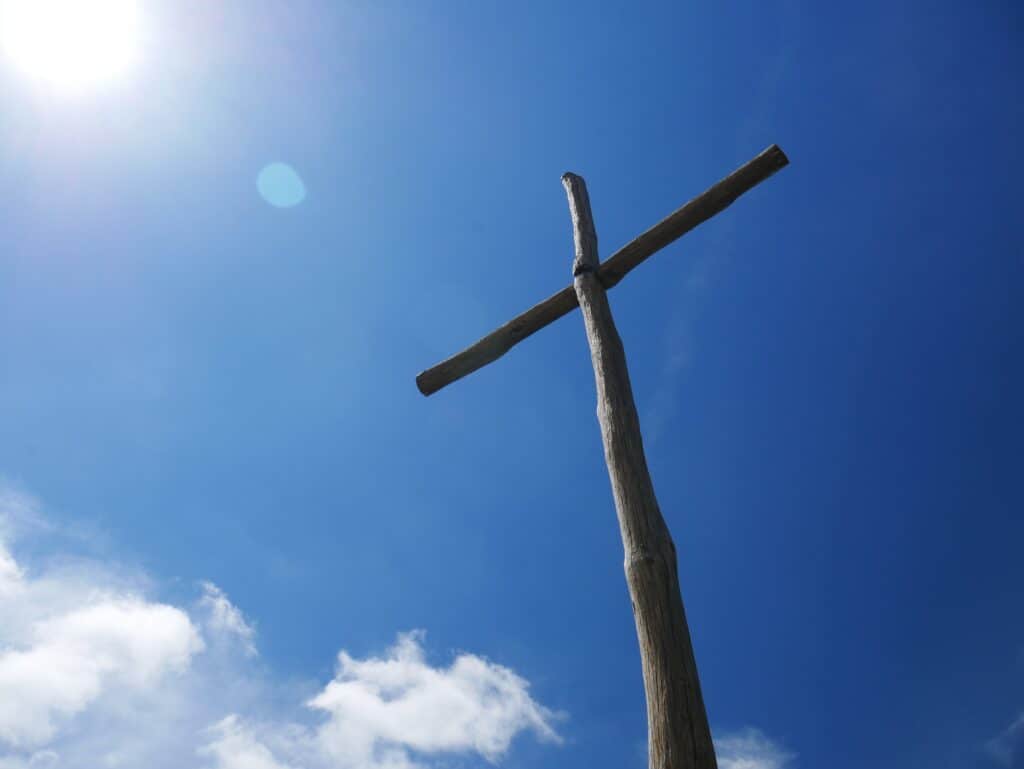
x,y
669,229
678,733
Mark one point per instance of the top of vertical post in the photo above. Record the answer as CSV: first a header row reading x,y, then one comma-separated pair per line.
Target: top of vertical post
x,y
583,231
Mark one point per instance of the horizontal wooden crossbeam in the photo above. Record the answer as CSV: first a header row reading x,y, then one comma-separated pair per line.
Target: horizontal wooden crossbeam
x,y
611,271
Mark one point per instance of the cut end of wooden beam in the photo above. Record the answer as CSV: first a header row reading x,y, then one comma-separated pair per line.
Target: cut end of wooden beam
x,y
423,385
777,155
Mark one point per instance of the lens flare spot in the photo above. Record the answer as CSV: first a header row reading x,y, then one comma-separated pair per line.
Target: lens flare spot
x,y
281,186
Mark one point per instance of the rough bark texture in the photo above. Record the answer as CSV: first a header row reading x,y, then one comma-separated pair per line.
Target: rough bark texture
x,y
614,269
677,724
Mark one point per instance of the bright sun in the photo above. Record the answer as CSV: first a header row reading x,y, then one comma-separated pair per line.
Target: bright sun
x,y
70,42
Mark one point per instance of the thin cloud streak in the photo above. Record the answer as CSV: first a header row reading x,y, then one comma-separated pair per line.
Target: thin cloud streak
x,y
1007,748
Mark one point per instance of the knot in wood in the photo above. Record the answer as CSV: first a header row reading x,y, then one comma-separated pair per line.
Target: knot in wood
x,y
636,559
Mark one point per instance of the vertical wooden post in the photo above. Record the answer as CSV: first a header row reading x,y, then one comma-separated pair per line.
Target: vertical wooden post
x,y
677,726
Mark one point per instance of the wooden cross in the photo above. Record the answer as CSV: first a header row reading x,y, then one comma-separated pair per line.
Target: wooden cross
x,y
677,725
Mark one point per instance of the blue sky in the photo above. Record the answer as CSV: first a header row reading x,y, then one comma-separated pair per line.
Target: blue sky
x,y
208,409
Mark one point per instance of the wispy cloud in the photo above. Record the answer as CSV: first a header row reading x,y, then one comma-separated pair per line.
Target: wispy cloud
x,y
96,672
18,512
1007,748
234,745
679,336
224,617
751,749
680,339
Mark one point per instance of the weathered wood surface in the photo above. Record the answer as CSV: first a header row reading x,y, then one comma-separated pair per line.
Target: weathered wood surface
x,y
678,733
497,343
613,270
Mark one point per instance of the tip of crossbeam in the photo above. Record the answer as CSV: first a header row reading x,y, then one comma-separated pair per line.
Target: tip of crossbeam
x,y
424,385
777,155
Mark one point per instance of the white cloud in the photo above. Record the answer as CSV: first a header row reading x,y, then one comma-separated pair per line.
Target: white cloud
x,y
73,657
234,746
96,673
72,634
394,711
1007,749
751,749
380,709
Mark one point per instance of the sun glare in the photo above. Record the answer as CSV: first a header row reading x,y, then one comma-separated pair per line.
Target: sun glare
x,y
70,42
